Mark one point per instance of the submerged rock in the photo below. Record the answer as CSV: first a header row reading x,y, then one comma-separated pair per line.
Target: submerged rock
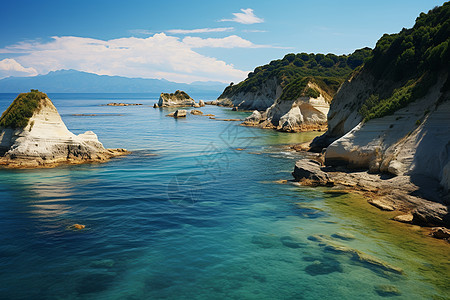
x,y
324,267
290,242
265,241
33,135
343,236
387,290
354,254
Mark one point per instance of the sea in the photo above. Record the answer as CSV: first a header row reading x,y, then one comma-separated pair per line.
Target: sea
x,y
201,209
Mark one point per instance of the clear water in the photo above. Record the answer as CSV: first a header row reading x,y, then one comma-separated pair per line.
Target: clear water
x,y
187,216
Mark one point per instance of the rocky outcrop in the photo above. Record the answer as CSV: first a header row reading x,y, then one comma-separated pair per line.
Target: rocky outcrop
x,y
43,140
259,98
309,171
304,113
391,118
179,113
414,140
179,98
196,112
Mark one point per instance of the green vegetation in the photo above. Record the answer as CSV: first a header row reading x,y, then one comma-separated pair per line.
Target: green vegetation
x,y
298,87
414,58
178,94
291,71
21,110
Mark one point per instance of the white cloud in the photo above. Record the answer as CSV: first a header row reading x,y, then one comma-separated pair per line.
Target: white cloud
x,y
200,30
157,56
245,17
10,67
232,41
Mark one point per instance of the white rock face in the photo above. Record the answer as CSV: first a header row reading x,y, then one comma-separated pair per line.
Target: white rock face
x,y
259,100
414,140
176,99
303,113
46,140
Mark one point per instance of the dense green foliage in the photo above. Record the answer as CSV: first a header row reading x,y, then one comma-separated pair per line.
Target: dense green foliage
x,y
294,67
21,110
178,95
414,57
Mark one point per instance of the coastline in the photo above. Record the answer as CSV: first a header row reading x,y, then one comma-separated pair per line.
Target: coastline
x,y
412,200
39,163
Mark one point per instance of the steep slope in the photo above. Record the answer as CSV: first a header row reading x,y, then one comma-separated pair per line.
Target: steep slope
x,y
280,78
393,115
303,106
32,134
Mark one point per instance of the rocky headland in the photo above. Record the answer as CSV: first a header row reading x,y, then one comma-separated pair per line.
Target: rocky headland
x,y
33,135
177,99
389,128
306,111
294,93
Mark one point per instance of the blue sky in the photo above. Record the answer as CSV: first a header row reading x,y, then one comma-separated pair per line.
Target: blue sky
x,y
186,41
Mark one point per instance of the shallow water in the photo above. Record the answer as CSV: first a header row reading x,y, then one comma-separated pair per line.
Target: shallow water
x,y
187,216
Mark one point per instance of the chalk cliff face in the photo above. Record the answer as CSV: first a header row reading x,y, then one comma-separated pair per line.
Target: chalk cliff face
x,y
179,98
304,113
45,141
259,99
413,140
393,115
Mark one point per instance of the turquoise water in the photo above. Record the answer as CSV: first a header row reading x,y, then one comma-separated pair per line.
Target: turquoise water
x,y
187,216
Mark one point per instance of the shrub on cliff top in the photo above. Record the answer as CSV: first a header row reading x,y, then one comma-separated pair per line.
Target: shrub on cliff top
x,y
21,110
178,94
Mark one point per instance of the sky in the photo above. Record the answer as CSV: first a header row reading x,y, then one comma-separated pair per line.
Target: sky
x,y
187,41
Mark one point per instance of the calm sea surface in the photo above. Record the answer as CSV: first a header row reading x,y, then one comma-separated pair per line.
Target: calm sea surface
x,y
187,216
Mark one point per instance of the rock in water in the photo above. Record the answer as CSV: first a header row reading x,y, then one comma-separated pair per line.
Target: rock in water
x,y
179,98
201,103
180,113
196,112
309,170
32,134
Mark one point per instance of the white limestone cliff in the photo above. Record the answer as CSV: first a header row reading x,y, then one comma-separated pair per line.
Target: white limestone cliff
x,y
294,115
46,142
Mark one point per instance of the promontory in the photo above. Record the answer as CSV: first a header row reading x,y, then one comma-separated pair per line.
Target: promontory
x,y
33,135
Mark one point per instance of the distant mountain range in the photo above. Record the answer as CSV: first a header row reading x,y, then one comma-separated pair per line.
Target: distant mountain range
x,y
72,81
